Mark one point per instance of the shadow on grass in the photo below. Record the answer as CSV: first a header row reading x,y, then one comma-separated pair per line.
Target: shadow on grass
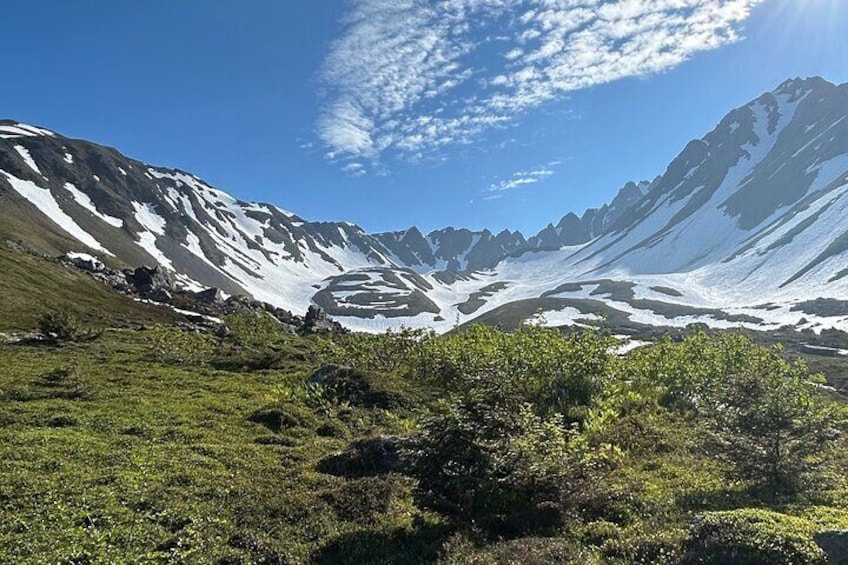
x,y
399,546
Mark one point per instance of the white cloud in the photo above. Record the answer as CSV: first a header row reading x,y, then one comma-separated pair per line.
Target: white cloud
x,y
355,169
409,77
521,178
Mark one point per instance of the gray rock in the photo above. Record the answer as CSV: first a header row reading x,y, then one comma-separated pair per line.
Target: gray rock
x,y
210,296
158,295
146,279
835,545
84,262
327,374
317,321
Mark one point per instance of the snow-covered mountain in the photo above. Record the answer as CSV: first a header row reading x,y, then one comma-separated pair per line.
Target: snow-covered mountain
x,y
747,225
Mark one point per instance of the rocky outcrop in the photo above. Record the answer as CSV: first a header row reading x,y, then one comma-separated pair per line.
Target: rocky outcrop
x,y
835,546
200,307
316,321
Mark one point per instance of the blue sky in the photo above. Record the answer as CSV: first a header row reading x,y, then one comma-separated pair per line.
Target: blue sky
x,y
391,113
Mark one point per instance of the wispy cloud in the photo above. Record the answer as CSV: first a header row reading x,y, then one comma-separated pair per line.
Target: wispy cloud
x,y
520,179
407,78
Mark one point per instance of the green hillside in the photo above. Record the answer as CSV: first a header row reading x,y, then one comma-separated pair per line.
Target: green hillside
x,y
31,285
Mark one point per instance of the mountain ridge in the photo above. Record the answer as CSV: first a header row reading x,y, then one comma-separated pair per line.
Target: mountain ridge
x,y
767,177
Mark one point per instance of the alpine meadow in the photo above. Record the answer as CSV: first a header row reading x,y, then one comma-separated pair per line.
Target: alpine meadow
x,y
450,282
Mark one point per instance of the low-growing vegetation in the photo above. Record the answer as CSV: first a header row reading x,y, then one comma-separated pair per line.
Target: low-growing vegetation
x,y
165,445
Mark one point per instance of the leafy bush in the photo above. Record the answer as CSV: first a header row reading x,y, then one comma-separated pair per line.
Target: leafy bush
x,y
645,547
488,459
254,329
174,346
765,415
284,415
526,551
343,384
62,325
363,500
552,371
369,457
752,537
387,353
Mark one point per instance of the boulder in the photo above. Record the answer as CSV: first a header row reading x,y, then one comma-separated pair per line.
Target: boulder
x,y
316,321
158,295
315,314
835,546
84,262
209,296
145,280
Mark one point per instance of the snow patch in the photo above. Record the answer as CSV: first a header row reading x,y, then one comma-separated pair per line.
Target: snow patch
x,y
83,200
43,199
24,153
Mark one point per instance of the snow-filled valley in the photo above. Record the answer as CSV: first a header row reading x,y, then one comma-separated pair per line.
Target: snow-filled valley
x,y
748,226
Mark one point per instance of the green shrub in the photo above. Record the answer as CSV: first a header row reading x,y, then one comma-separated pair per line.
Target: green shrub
x,y
333,428
752,537
488,459
243,361
284,415
524,551
254,329
174,346
62,325
548,369
363,500
346,385
653,547
764,415
389,353
369,457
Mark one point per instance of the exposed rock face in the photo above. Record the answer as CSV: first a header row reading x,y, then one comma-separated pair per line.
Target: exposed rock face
x,y
209,296
201,307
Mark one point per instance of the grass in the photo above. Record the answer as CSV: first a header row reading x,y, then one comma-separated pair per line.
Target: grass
x,y
109,455
158,463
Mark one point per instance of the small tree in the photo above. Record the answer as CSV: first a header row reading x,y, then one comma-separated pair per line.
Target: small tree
x,y
771,422
765,416
62,325
494,461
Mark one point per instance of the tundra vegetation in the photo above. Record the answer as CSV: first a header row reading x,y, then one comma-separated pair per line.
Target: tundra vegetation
x,y
154,444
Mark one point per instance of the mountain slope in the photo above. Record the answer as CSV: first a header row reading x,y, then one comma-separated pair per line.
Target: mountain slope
x,y
744,225
31,286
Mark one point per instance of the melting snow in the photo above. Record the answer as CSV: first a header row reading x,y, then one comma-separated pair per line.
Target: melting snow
x,y
155,225
43,199
146,215
84,201
24,153
23,130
